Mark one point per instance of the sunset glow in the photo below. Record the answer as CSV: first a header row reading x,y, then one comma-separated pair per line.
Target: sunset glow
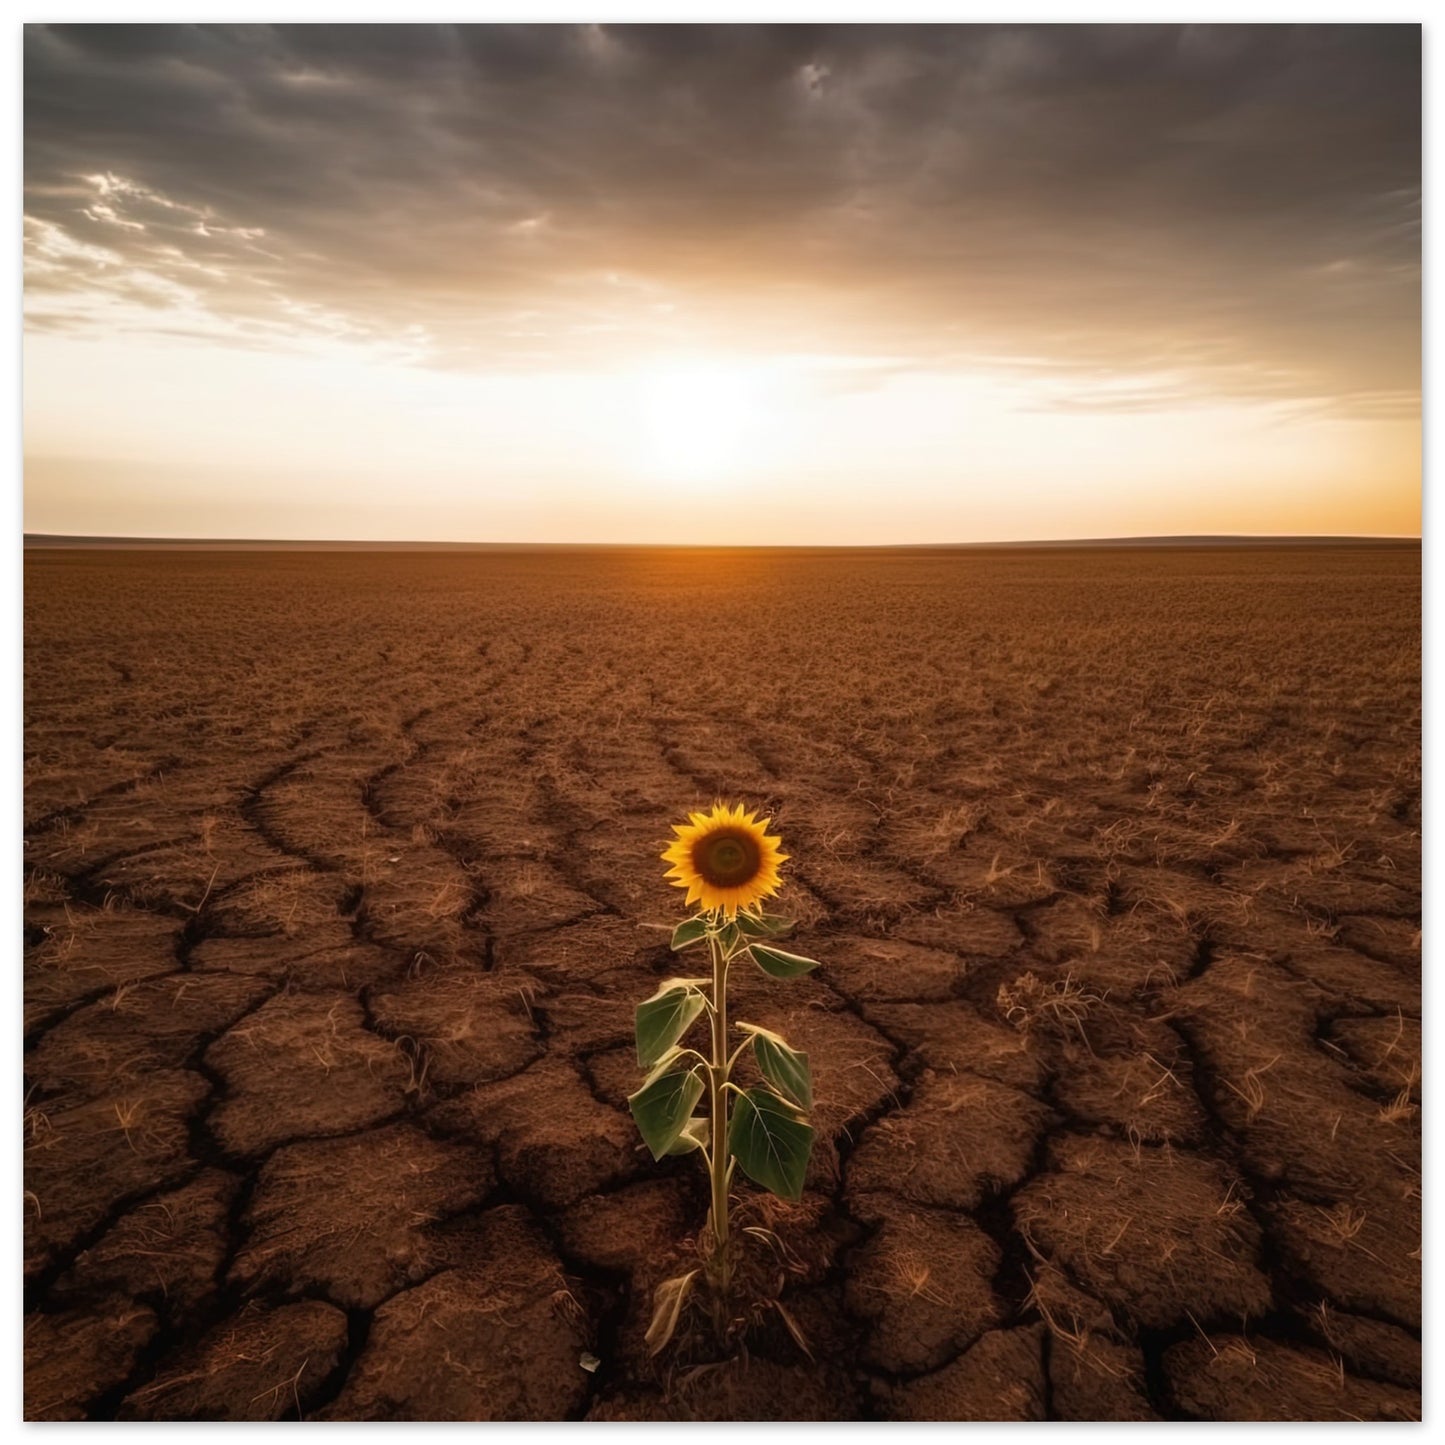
x,y
703,423
878,286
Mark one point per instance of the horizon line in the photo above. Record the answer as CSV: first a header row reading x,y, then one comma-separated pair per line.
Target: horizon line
x,y
60,541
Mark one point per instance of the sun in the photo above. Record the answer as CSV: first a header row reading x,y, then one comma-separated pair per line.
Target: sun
x,y
700,421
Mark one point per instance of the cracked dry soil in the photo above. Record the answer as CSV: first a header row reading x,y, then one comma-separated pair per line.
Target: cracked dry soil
x,y
341,884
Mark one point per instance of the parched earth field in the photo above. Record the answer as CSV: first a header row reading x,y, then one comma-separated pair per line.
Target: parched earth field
x,y
342,883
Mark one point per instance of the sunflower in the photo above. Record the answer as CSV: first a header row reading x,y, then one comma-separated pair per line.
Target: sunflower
x,y
725,859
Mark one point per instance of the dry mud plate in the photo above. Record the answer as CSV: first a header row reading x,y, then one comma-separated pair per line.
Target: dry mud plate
x,y
341,883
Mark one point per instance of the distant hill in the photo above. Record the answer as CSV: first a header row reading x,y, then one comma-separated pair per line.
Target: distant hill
x,y
1220,540
44,540
40,540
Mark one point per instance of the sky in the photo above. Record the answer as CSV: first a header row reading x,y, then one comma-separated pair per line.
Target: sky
x,y
768,284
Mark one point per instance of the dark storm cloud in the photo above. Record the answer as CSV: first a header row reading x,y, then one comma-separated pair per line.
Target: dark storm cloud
x,y
1230,210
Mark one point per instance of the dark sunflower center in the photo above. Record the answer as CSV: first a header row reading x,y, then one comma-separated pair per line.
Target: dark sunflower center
x,y
726,858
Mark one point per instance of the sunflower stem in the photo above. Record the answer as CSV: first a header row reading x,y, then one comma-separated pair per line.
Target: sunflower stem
x,y
718,1071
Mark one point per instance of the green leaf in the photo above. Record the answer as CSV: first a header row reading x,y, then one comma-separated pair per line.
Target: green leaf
x,y
666,1308
762,925
777,964
664,1065
690,931
665,1017
729,937
772,1141
662,1107
782,1065
693,1136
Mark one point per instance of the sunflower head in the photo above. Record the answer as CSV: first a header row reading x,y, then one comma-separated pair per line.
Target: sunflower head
x,y
725,858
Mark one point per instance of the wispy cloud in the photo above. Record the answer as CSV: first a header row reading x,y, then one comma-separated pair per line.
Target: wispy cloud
x,y
1129,216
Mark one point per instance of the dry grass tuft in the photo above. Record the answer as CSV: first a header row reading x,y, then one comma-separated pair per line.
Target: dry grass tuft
x,y
1251,1090
1061,1008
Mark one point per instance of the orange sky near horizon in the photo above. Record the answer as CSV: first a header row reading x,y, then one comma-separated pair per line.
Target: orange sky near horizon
x,y
353,450
787,285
